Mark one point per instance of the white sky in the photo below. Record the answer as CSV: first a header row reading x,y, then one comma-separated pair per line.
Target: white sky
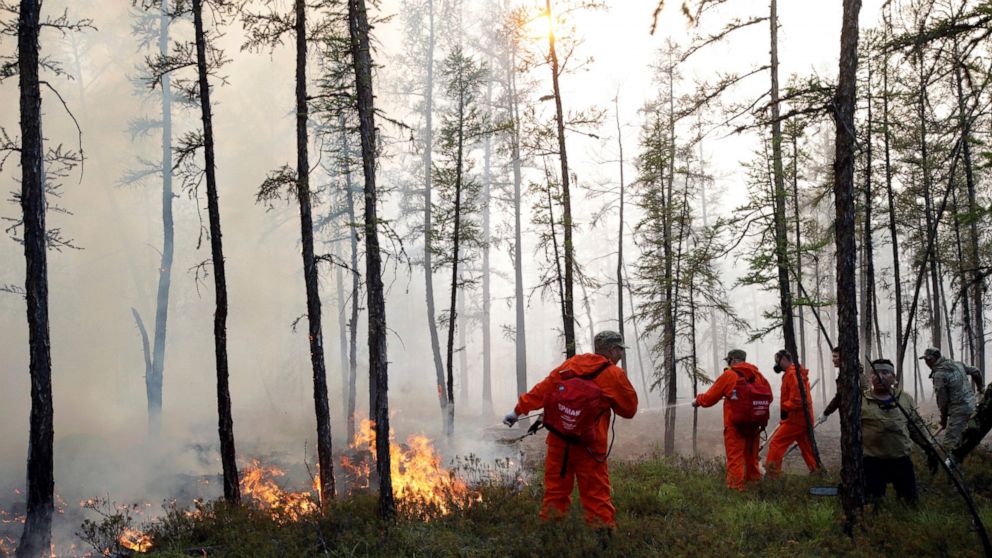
x,y
97,356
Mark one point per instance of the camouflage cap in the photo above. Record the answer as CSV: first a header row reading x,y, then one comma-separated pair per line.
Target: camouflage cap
x,y
608,338
738,354
932,352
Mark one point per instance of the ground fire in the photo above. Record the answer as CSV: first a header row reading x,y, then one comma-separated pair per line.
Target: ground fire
x,y
135,540
422,486
258,484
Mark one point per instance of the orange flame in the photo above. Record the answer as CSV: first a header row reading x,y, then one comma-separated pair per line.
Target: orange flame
x,y
421,485
135,540
257,483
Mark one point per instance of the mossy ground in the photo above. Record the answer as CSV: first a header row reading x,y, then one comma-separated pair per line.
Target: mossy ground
x,y
666,507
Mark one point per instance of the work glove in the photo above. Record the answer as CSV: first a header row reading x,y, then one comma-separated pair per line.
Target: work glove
x,y
783,414
821,420
510,419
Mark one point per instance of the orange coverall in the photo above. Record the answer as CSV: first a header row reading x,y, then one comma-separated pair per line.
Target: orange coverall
x,y
588,467
741,447
793,428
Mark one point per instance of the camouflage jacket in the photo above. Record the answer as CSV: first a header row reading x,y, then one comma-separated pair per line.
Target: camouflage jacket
x,y
951,383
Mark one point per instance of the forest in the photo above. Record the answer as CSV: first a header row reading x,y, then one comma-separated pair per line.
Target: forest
x,y
428,205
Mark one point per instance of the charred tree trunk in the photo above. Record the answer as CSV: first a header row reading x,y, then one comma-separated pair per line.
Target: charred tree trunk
x,y
852,471
358,27
153,383
442,394
232,492
37,535
325,459
781,235
566,200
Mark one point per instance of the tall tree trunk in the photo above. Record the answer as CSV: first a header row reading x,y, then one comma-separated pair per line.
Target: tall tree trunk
x,y
456,246
358,27
668,307
566,200
977,331
921,106
799,241
356,282
695,362
442,394
37,535
868,252
520,331
945,308
893,233
781,235
554,245
325,458
671,410
232,492
487,332
852,472
917,380
620,225
819,337
966,345
342,330
154,382
462,347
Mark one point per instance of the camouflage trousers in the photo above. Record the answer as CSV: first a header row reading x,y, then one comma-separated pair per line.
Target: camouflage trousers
x,y
957,420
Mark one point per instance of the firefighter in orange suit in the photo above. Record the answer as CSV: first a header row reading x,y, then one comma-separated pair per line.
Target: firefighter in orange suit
x,y
587,466
741,447
793,428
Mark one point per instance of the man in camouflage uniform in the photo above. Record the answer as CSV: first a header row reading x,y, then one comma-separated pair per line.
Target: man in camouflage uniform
x,y
955,395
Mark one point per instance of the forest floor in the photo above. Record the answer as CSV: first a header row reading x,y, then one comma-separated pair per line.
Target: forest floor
x,y
672,506
666,507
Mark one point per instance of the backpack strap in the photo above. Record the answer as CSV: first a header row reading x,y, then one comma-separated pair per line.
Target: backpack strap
x,y
743,377
596,373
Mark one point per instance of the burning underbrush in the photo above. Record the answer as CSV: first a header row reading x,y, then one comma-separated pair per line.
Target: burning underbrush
x,y
424,490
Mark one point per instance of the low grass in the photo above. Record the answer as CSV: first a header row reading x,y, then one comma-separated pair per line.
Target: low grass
x,y
666,507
